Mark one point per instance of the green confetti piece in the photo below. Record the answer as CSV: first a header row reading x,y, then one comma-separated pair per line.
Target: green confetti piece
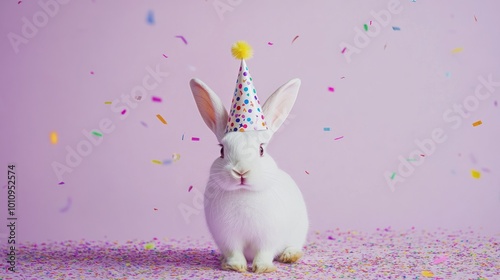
x,y
366,27
393,175
97,133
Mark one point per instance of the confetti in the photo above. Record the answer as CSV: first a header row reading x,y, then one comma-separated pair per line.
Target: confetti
x,y
475,174
124,111
165,56
149,246
343,50
475,18
195,139
19,2
66,208
155,99
370,22
448,74
477,123
338,138
365,26
61,183
270,43
296,37
422,155
96,133
190,188
176,156
144,124
427,273
495,103
326,129
167,162
342,77
440,259
396,28
155,161
91,72
156,209
393,175
331,89
161,119
108,102
53,137
385,47
307,172
182,38
457,50
150,18
182,137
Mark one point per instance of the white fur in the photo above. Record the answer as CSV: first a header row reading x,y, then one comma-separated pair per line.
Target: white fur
x,y
266,215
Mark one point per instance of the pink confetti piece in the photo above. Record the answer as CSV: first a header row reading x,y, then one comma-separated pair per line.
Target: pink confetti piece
x,y
440,259
342,77
66,208
307,172
195,139
91,72
475,18
370,22
61,183
156,99
295,38
485,170
156,209
144,124
343,50
338,138
19,2
331,89
270,43
182,38
165,56
124,111
190,188
422,155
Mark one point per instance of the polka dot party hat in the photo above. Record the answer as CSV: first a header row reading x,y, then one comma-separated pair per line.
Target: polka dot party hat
x,y
245,113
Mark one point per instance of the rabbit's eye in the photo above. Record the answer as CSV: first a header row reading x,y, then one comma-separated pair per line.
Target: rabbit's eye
x,y
261,150
221,151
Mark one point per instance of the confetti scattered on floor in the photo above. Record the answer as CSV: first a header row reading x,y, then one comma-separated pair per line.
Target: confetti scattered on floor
x,y
296,37
53,137
155,161
338,138
190,188
393,175
182,38
91,72
396,28
60,183
176,156
307,172
270,43
124,111
365,26
165,56
156,99
343,50
326,129
477,123
144,124
161,119
333,254
97,133
457,50
150,18
331,89
475,174
108,102
195,139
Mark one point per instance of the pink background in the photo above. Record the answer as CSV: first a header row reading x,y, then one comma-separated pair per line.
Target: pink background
x,y
395,91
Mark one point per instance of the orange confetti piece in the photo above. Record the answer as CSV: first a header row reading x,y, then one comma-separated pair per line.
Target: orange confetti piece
x,y
53,137
457,50
477,123
427,273
161,119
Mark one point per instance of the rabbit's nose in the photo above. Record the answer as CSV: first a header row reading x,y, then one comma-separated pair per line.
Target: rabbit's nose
x,y
240,173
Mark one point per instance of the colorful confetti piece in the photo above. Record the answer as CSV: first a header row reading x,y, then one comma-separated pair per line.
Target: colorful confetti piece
x,y
149,246
296,37
108,102
475,174
343,50
448,74
270,43
61,183
477,123
307,172
167,161
331,89
176,156
182,38
96,133
144,124
326,129
182,137
150,18
91,72
365,26
156,99
190,188
156,209
393,175
165,56
427,273
161,119
338,138
124,111
396,28
440,259
195,139
53,137
457,50
68,205
155,161
475,18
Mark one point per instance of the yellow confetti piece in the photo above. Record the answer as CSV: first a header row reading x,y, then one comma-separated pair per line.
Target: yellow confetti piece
x,y
156,161
475,174
161,119
477,123
176,156
53,137
108,102
427,273
457,50
149,246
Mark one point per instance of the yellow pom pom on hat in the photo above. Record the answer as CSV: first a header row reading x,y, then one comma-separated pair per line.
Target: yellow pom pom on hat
x,y
245,113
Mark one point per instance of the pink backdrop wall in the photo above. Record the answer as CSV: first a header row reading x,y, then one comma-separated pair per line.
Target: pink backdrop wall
x,y
391,89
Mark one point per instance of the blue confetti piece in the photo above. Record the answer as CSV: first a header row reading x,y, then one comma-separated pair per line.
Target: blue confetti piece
x,y
151,17
326,129
396,28
448,74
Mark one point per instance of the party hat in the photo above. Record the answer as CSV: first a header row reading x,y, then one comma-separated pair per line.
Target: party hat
x,y
245,113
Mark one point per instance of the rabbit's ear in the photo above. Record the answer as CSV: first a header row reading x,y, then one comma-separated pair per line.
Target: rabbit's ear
x,y
280,103
211,108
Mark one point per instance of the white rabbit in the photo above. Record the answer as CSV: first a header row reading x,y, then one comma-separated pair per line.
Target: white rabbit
x,y
253,209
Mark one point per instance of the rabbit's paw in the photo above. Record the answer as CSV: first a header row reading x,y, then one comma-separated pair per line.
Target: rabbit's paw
x,y
290,255
263,267
235,262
